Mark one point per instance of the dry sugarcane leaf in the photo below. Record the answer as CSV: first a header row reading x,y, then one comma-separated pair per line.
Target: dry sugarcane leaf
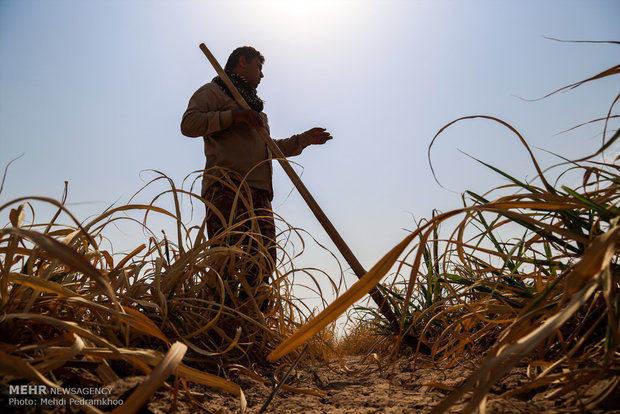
x,y
155,379
124,260
141,322
152,357
12,365
306,391
106,373
340,305
130,316
214,319
66,325
194,375
245,371
561,378
16,216
108,258
129,207
24,251
17,367
571,383
614,70
596,257
41,284
66,255
52,363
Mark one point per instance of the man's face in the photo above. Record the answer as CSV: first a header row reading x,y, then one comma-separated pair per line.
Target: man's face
x,y
252,71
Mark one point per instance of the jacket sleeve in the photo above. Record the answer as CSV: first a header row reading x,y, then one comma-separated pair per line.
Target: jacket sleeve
x,y
294,145
204,115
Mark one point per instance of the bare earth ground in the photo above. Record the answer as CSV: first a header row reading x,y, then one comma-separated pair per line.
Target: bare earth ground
x,y
367,387
399,388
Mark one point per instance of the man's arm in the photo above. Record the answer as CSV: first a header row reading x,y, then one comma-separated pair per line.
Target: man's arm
x,y
294,145
204,115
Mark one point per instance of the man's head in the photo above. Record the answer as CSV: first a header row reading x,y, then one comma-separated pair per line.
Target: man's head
x,y
247,62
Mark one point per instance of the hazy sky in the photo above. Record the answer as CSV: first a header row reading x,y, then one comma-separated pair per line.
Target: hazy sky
x,y
92,92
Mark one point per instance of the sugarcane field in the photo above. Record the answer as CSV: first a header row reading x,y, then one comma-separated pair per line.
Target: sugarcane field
x,y
427,222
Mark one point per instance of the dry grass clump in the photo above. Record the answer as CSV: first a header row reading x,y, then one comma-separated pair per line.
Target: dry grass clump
x,y
364,338
67,301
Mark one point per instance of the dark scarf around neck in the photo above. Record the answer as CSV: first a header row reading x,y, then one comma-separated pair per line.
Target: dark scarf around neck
x,y
248,93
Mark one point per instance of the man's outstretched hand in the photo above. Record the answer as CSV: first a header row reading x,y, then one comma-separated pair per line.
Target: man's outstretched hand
x,y
316,136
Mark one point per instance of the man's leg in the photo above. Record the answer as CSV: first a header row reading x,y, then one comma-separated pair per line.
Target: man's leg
x,y
223,199
267,226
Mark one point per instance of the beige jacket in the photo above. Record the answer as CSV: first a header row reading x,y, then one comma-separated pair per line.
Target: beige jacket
x,y
229,145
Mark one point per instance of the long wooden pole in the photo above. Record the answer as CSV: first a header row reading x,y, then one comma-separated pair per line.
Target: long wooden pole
x,y
344,249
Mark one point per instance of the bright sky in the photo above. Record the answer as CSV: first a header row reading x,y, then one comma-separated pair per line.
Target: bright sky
x,y
92,92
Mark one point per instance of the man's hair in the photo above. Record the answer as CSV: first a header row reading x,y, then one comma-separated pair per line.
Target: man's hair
x,y
246,51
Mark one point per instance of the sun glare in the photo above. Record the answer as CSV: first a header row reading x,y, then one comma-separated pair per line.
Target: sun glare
x,y
308,9
301,18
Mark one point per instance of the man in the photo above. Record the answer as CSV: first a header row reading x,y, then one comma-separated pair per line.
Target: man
x,y
237,157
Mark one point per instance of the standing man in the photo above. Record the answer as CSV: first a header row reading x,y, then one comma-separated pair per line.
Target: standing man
x,y
237,157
